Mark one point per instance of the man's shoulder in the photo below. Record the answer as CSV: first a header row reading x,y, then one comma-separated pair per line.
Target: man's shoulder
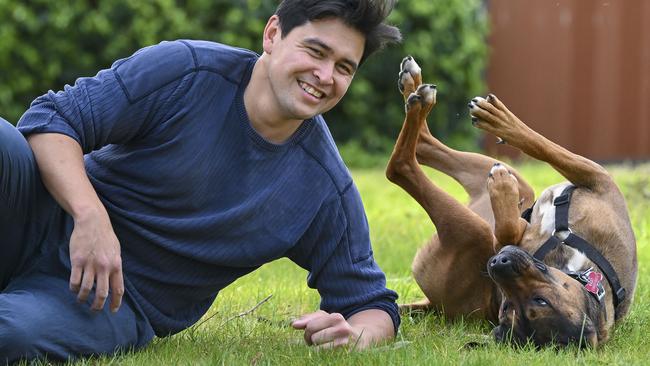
x,y
152,67
227,61
320,146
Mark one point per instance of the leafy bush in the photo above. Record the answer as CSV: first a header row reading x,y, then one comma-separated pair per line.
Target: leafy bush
x,y
46,44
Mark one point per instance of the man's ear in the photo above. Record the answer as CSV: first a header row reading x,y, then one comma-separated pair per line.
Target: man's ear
x,y
272,33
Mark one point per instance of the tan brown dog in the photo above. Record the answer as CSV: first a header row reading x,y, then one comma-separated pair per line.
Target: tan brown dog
x,y
565,275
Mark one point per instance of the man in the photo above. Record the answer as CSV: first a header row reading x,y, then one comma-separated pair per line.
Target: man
x,y
159,181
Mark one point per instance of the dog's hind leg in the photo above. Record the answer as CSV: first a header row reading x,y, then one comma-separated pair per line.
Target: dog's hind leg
x,y
448,269
453,220
470,170
418,306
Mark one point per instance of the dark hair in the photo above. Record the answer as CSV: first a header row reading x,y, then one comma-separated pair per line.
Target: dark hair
x,y
366,16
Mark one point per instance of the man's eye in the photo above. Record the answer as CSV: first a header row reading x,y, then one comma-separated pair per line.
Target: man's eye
x,y
316,52
345,70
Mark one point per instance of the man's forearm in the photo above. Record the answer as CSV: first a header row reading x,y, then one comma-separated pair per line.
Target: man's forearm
x,y
60,162
373,326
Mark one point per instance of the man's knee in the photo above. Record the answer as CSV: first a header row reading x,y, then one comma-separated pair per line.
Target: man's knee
x,y
11,140
32,319
18,170
18,340
40,318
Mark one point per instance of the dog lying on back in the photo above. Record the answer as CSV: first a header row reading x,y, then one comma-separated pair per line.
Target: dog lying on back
x,y
561,269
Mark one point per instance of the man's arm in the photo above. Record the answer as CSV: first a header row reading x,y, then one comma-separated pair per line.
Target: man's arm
x,y
361,330
94,248
116,106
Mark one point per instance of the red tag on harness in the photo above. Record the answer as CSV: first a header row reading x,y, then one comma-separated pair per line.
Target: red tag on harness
x,y
594,279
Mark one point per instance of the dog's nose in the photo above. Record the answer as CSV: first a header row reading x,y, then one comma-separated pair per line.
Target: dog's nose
x,y
500,260
501,265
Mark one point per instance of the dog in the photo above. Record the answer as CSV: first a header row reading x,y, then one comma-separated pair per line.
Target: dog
x,y
560,270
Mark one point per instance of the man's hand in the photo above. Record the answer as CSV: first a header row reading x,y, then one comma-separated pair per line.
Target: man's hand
x,y
326,330
95,259
363,329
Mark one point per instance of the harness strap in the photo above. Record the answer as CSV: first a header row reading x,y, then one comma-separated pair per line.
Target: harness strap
x,y
548,245
561,203
528,213
582,245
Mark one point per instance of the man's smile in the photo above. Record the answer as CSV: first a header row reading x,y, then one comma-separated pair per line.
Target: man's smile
x,y
311,90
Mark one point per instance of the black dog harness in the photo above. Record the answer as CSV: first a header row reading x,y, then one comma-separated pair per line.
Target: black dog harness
x,y
561,204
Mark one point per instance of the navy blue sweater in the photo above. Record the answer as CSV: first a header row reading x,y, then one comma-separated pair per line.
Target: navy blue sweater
x,y
197,198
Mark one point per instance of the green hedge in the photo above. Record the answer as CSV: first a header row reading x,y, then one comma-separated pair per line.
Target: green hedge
x,y
45,45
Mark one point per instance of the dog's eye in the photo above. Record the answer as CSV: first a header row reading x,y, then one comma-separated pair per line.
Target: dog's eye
x,y
540,301
541,266
504,308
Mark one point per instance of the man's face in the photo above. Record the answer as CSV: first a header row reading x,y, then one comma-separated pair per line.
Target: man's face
x,y
311,68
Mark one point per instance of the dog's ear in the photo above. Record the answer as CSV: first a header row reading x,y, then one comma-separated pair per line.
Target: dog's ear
x,y
499,333
592,340
589,335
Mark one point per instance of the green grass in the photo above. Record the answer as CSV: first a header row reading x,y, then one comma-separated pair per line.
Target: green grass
x,y
398,227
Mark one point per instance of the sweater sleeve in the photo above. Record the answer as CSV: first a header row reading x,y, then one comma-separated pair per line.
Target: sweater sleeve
x,y
125,102
337,253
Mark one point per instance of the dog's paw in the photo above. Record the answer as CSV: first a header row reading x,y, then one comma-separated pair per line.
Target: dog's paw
x,y
428,93
503,185
423,98
491,115
503,189
474,106
410,76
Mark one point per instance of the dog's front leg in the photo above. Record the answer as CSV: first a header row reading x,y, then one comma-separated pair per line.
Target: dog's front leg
x,y
502,186
492,116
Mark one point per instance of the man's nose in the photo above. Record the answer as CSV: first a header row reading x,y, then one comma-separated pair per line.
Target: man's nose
x,y
325,73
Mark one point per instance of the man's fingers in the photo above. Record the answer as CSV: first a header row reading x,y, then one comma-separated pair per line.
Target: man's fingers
x,y
325,324
302,322
101,292
75,278
336,329
326,336
335,343
86,284
82,283
325,330
117,289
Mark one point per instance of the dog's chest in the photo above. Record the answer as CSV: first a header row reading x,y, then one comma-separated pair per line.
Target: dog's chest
x,y
543,217
542,227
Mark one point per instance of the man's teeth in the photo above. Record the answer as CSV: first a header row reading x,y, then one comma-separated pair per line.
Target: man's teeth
x,y
311,90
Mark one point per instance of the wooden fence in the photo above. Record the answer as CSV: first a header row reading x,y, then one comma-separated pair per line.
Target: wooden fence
x,y
577,71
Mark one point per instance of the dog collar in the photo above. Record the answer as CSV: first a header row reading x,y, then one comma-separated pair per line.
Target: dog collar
x,y
591,280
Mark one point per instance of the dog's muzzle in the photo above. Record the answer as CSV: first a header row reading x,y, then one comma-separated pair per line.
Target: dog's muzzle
x,y
511,262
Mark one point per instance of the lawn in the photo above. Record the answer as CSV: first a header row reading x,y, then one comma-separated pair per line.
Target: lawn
x,y
236,332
